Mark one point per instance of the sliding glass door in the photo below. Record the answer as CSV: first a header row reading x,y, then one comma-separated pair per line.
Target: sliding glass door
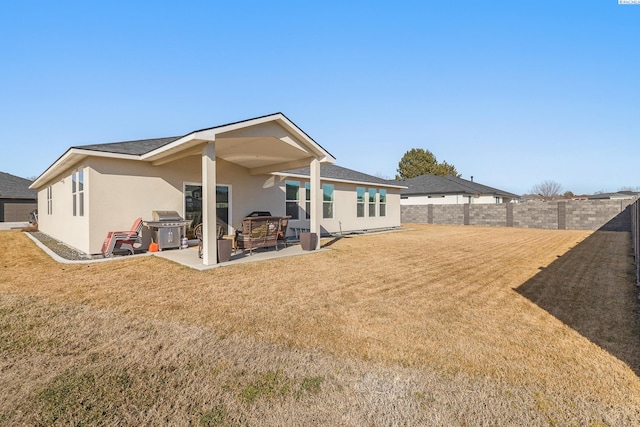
x,y
193,206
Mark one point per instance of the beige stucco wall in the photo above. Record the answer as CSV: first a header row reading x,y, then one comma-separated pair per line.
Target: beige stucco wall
x,y
61,224
119,191
345,208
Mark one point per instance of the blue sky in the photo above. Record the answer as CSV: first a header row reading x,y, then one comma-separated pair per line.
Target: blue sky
x,y
511,92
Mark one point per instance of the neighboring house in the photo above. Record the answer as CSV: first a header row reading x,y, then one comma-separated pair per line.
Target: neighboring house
x,y
449,190
16,198
232,170
620,195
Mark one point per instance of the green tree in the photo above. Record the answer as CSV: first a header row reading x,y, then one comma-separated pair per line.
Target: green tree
x,y
418,161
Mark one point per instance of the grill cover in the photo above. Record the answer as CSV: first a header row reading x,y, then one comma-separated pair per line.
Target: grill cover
x,y
166,216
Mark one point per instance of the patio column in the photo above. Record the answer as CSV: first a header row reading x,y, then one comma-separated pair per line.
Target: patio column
x,y
209,238
316,199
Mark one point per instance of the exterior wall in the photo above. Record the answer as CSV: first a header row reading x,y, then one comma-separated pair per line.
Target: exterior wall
x,y
570,215
61,224
345,208
447,199
119,191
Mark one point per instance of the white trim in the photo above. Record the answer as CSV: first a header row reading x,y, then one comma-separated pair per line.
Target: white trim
x,y
230,228
71,157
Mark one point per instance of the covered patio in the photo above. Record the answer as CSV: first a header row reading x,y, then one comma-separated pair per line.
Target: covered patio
x,y
262,145
189,257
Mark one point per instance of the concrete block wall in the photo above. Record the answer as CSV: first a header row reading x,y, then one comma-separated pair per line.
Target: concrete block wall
x,y
489,215
536,215
447,214
570,215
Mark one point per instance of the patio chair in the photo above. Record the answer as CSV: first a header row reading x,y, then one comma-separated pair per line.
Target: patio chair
x,y
198,232
282,229
258,232
122,239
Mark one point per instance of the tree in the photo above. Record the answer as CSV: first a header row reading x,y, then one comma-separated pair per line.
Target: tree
x,y
547,189
418,161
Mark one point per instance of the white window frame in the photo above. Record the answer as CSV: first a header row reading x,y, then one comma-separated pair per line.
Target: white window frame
x,y
382,198
292,201
307,200
49,200
371,204
77,192
328,203
360,199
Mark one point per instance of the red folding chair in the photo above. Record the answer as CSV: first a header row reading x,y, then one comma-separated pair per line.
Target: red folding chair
x,y
122,239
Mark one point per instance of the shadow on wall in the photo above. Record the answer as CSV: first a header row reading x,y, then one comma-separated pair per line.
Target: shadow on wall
x,y
592,289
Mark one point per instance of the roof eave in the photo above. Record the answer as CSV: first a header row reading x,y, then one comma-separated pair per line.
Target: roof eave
x,y
71,157
347,181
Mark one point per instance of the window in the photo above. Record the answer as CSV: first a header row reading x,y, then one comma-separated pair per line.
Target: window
x,y
498,199
292,195
49,201
307,204
372,202
327,200
77,191
360,202
383,202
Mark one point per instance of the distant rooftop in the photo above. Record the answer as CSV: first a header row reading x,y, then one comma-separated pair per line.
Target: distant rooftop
x,y
435,184
14,187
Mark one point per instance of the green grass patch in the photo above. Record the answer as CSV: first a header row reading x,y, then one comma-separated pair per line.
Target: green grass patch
x,y
267,385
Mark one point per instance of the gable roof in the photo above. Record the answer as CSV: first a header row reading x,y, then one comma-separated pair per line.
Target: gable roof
x,y
296,147
341,174
14,187
434,184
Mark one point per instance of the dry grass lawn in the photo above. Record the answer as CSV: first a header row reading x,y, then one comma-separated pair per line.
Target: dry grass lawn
x,y
439,325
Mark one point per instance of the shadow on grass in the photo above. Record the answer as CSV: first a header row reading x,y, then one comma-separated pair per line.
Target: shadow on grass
x,y
592,289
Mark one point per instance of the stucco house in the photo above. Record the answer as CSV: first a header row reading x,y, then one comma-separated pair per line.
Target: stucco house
x,y
449,190
220,173
16,198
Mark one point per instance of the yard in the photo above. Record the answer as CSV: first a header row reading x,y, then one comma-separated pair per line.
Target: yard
x,y
438,325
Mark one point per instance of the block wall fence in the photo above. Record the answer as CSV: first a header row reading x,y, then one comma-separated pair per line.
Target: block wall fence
x,y
555,215
635,236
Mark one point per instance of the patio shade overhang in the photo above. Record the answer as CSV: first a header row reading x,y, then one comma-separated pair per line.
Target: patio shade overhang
x,y
262,145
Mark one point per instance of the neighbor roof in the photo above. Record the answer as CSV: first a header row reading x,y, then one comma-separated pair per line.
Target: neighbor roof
x,y
338,173
434,184
14,187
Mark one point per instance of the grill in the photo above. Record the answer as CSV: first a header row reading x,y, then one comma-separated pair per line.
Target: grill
x,y
167,229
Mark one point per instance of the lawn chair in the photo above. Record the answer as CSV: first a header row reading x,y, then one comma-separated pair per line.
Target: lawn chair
x,y
122,239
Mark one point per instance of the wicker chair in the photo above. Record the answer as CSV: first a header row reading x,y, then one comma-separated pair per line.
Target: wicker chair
x,y
197,230
282,229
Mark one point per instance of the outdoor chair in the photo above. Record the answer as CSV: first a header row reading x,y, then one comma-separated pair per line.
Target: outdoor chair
x,y
198,232
282,229
122,239
258,232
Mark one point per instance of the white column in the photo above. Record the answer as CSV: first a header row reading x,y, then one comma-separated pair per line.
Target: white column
x,y
209,242
316,198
